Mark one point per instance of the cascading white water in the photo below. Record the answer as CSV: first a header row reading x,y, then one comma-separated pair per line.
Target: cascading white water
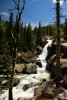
x,y
42,71
44,53
35,79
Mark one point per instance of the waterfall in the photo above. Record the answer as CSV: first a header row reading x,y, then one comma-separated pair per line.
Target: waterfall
x,y
35,79
42,71
44,53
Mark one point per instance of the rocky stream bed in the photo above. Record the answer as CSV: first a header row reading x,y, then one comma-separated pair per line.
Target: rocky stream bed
x,y
34,75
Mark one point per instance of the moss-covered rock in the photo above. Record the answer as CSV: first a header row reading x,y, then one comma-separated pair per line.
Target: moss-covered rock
x,y
31,68
19,68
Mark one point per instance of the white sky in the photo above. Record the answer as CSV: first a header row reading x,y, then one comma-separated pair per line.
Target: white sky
x,y
61,1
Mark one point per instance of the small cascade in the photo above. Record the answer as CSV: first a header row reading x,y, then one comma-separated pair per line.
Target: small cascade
x,y
44,53
42,57
33,79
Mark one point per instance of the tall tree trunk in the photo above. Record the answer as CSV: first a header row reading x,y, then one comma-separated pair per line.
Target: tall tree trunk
x,y
10,94
16,44
12,73
58,44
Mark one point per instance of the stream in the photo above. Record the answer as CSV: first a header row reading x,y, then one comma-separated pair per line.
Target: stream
x,y
34,79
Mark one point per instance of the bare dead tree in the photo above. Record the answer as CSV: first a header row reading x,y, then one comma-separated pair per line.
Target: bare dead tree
x,y
58,43
19,9
58,15
16,40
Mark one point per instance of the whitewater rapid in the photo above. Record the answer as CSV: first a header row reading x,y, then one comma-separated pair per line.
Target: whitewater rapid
x,y
33,79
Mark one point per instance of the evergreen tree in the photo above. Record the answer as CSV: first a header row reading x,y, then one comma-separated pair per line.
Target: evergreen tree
x,y
35,31
43,30
5,58
39,35
29,38
65,29
50,32
47,30
35,36
25,48
9,32
11,38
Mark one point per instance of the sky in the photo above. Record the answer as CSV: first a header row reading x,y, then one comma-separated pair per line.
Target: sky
x,y
35,11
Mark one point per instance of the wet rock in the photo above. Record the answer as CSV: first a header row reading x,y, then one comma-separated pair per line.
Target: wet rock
x,y
63,96
20,98
15,81
63,63
44,80
19,58
31,68
51,50
39,49
41,92
25,58
62,40
64,55
64,81
63,47
39,63
19,68
48,90
58,91
35,98
27,86
38,92
44,43
51,65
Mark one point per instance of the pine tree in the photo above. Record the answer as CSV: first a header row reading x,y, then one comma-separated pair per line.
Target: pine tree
x,y
11,38
35,36
44,30
9,32
39,35
29,38
5,58
25,47
47,30
35,31
50,32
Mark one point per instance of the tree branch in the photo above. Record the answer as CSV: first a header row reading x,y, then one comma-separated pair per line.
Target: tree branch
x,y
15,2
